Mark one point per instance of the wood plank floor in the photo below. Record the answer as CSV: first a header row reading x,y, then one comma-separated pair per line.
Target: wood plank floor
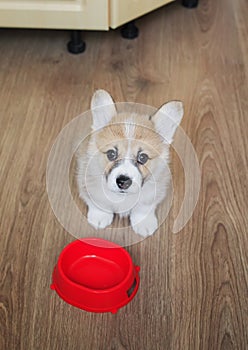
x,y
194,285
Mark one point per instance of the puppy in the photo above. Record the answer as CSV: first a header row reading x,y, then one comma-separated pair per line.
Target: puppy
x,y
124,169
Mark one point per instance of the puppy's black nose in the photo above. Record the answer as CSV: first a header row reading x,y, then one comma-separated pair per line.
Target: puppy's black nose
x,y
123,182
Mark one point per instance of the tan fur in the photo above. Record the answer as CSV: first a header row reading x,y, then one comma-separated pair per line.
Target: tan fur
x,y
144,138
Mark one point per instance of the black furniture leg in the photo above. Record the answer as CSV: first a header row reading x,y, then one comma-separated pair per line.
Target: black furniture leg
x,y
76,44
130,31
190,3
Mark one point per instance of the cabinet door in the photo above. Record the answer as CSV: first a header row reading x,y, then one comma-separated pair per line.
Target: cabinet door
x,y
123,11
64,14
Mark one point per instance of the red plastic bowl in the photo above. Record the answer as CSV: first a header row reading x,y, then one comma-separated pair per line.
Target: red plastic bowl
x,y
95,275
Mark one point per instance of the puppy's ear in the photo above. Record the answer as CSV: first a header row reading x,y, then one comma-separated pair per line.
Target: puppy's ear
x,y
167,119
103,109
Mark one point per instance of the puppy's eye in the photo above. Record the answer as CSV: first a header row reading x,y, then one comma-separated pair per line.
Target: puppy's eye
x,y
142,158
112,154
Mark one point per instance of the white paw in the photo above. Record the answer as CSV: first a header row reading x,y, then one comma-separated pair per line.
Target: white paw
x,y
98,218
144,226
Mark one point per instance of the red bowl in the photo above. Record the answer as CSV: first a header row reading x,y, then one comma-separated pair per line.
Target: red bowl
x,y
95,275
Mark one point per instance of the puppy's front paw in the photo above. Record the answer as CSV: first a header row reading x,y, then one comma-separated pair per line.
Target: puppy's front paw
x,y
144,226
98,218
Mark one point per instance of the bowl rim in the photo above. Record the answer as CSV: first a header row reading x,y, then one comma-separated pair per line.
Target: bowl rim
x,y
131,266
113,309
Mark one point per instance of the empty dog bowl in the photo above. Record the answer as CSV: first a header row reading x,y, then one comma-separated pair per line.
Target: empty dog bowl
x,y
95,275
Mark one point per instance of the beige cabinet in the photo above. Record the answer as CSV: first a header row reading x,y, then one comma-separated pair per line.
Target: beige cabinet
x,y
60,14
73,14
123,11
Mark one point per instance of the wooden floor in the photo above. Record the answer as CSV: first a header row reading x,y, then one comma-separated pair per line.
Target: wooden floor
x,y
194,285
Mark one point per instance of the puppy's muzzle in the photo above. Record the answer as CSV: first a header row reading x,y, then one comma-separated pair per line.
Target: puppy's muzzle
x,y
123,182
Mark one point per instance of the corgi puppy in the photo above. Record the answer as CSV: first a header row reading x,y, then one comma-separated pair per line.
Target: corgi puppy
x,y
124,168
